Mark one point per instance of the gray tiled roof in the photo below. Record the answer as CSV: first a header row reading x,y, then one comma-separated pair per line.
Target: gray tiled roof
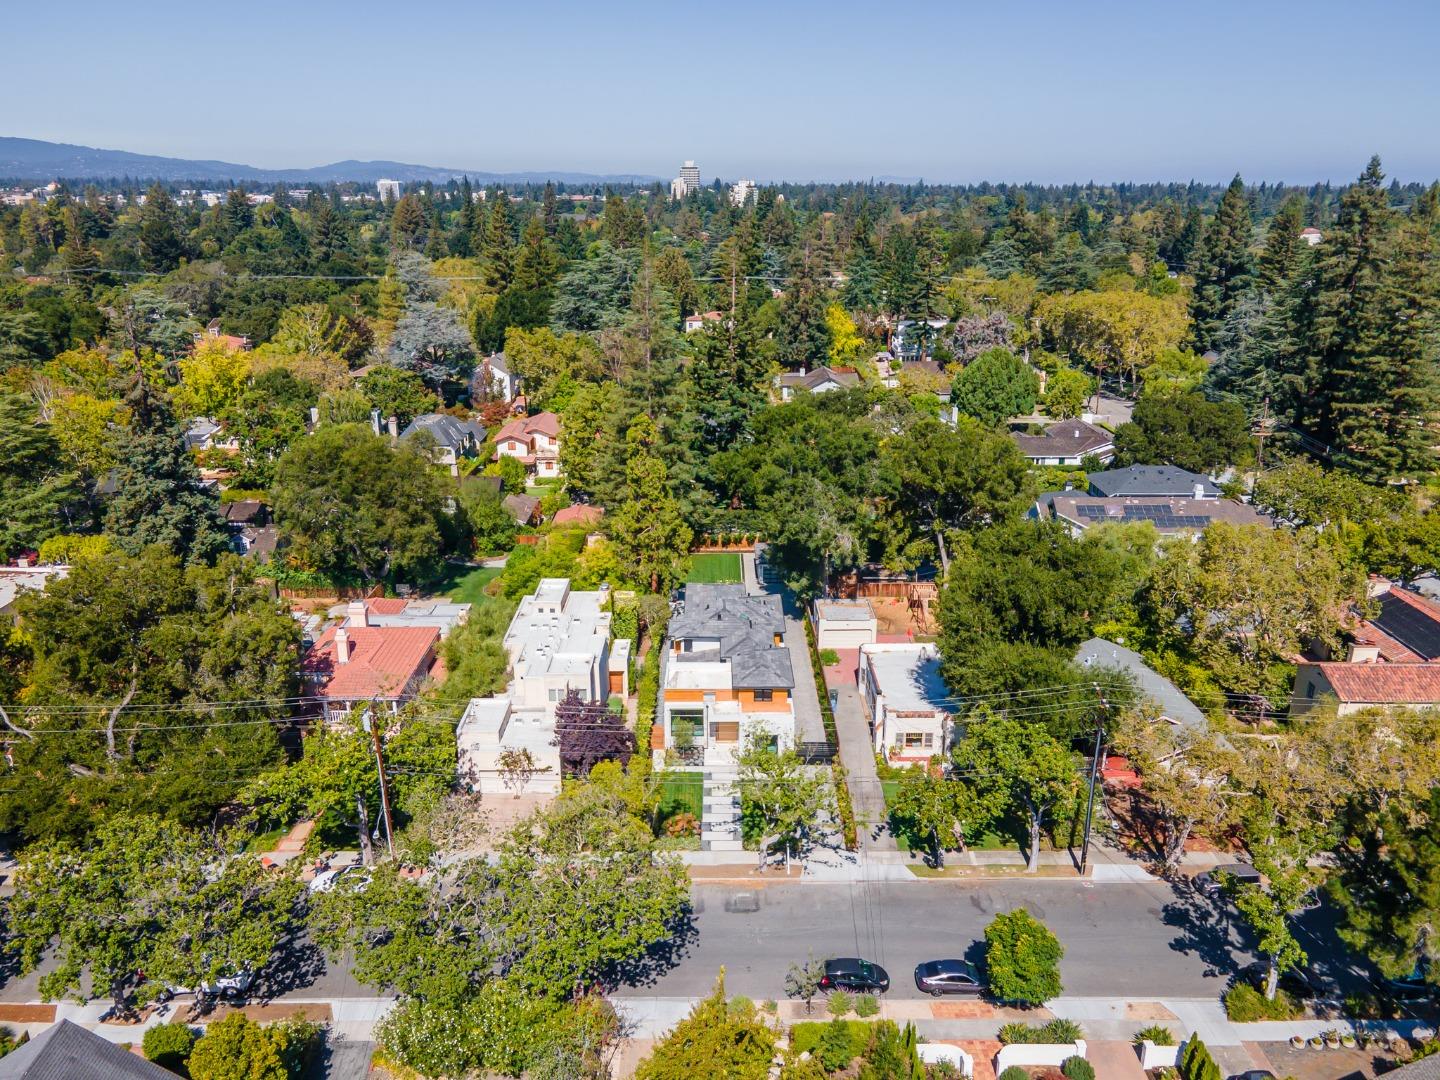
x,y
1173,705
446,430
1152,480
745,626
1427,1068
66,1051
1067,438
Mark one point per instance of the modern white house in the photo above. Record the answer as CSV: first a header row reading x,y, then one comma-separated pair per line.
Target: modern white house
x,y
557,641
901,688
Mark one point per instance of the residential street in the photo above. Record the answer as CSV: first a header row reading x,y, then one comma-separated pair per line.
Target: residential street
x,y
1120,939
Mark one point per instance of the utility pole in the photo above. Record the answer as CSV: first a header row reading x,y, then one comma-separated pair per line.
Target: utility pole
x,y
368,719
1094,775
1264,431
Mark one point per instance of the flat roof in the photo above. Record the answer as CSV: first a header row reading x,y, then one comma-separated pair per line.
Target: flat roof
x,y
909,676
845,610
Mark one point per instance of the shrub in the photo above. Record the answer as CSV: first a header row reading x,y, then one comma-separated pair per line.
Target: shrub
x,y
1196,1062
806,1035
835,1050
682,824
168,1045
1076,1067
866,1005
770,1006
1014,1072
839,1003
829,657
1056,1031
237,1046
1154,1033
1022,958
1244,1004
740,1007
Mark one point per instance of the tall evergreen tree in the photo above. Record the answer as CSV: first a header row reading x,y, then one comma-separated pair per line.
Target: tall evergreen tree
x,y
536,264
496,257
1283,248
804,335
1223,268
549,211
159,497
161,247
462,240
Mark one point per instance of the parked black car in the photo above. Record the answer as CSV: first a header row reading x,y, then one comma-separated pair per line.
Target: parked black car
x,y
852,973
1412,988
939,977
1209,882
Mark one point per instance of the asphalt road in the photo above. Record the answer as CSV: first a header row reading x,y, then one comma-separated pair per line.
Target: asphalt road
x,y
1120,939
1124,940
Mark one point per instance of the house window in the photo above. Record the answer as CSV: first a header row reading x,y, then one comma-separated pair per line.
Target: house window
x,y
1310,690
914,739
709,697
557,693
764,695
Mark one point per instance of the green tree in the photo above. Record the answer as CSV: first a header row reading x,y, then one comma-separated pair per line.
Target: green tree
x,y
145,895
161,246
39,497
168,1045
781,797
1248,598
1223,267
1022,959
803,981
1066,393
492,526
497,242
356,507
650,535
1185,430
717,1040
804,332
942,810
237,1048
159,498
408,227
553,366
1013,762
995,386
398,393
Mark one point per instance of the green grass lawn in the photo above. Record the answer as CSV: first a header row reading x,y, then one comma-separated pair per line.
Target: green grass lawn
x,y
468,587
715,568
681,793
1011,832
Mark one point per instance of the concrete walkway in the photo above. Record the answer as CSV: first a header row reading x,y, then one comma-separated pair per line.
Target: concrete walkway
x,y
857,753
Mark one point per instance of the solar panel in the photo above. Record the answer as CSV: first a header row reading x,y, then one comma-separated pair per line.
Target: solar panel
x,y
1417,631
1163,516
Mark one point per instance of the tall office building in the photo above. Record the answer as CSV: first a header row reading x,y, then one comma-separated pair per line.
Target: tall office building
x,y
687,183
388,189
741,191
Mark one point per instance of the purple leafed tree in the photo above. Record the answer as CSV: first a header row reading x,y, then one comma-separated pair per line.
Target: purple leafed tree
x,y
588,733
975,334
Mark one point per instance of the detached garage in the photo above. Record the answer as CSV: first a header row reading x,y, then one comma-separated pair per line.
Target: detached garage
x,y
844,624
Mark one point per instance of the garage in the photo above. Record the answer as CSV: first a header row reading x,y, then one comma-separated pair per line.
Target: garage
x,y
844,624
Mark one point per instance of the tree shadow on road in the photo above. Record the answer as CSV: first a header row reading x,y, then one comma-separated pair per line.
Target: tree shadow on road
x,y
1207,929
646,969
300,964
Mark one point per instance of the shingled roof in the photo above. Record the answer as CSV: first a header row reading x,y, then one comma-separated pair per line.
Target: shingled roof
x,y
66,1051
745,627
446,430
1068,438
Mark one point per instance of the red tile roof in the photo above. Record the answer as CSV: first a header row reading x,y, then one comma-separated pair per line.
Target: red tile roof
x,y
386,605
1384,684
578,515
383,661
524,427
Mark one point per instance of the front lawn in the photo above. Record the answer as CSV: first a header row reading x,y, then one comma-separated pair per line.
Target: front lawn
x,y
469,587
715,568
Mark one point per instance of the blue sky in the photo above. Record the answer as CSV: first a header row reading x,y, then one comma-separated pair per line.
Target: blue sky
x,y
957,91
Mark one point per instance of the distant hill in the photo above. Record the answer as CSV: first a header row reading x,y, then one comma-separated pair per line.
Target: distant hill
x,y
32,160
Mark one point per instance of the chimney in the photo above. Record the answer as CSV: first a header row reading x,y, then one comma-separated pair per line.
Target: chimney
x,y
314,416
356,614
1199,490
394,424
342,646
375,420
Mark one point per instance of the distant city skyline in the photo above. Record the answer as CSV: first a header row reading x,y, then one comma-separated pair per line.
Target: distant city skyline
x,y
1294,92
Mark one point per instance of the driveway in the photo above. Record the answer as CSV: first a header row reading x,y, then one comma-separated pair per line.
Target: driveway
x,y
857,753
809,727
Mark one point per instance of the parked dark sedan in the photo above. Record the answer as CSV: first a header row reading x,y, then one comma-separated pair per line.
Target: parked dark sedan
x,y
939,977
1212,882
852,973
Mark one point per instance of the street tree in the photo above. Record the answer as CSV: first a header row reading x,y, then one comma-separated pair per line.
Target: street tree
x,y
143,904
781,798
944,811
803,981
1018,761
1022,959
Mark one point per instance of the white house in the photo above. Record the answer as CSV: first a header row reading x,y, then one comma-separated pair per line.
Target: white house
x,y
820,380
901,688
534,441
1066,442
490,728
557,641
